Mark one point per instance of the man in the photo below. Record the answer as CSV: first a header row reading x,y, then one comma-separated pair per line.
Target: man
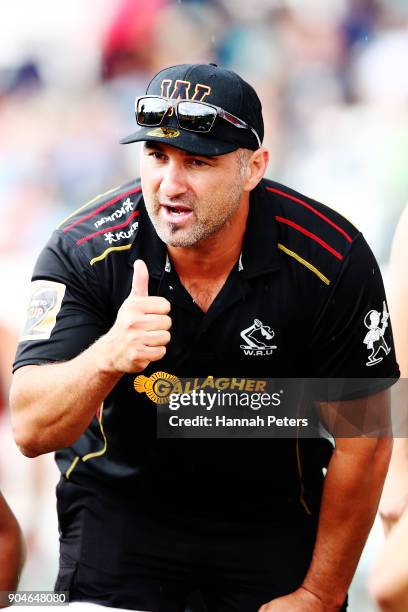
x,y
11,552
11,539
389,577
203,246
395,496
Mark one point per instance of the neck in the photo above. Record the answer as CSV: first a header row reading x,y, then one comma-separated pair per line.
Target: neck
x,y
215,256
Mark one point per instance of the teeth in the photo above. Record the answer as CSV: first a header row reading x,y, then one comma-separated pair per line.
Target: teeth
x,y
177,211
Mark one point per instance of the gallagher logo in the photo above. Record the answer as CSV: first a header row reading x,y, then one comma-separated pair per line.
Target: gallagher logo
x,y
257,339
158,387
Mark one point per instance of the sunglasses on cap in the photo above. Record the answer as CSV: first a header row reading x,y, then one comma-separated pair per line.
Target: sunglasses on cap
x,y
192,116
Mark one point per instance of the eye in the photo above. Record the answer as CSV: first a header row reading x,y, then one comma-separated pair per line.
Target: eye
x,y
198,163
157,155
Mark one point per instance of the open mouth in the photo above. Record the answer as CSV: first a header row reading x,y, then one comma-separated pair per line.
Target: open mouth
x,y
176,213
178,209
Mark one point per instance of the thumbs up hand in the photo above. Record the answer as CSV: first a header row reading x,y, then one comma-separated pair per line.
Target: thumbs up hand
x,y
141,330
140,281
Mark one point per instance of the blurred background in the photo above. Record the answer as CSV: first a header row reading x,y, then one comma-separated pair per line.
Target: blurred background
x,y
332,78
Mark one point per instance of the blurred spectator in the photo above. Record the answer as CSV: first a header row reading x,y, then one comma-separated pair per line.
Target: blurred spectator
x,y
127,44
27,482
11,551
395,495
389,577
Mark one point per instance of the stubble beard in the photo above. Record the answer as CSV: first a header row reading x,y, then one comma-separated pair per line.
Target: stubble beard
x,y
205,225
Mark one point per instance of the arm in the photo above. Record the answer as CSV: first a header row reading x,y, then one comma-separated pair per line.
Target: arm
x,y
351,493
11,550
52,405
388,583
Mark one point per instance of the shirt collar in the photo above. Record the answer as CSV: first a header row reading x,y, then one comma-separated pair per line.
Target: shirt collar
x,y
259,254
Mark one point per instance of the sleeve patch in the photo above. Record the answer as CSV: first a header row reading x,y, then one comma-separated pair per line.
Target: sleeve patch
x,y
376,323
44,304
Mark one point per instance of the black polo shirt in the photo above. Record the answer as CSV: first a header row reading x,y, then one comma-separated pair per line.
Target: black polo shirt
x,y
305,273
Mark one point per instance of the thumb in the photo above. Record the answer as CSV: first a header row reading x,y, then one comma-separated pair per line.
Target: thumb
x,y
140,281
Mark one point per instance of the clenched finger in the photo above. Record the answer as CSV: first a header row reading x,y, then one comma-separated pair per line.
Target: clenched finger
x,y
154,322
157,338
154,353
152,304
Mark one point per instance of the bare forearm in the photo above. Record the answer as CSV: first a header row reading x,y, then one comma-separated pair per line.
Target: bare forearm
x,y
350,499
52,405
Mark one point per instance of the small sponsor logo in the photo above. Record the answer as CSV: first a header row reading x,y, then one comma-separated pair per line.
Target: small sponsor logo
x,y
164,132
111,237
44,305
126,207
257,338
374,338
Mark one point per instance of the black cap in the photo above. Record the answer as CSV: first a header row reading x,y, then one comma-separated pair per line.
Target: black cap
x,y
214,85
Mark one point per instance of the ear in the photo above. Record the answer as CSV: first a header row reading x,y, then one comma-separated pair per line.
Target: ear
x,y
257,165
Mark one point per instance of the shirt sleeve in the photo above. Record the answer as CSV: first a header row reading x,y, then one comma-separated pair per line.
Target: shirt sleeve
x,y
352,344
66,308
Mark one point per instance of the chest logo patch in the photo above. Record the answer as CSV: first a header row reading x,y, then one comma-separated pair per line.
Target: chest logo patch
x,y
376,323
258,339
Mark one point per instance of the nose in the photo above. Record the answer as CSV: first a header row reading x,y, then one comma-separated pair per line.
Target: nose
x,y
174,181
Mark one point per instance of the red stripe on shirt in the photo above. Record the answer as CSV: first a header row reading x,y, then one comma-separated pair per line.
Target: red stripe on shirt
x,y
102,207
306,232
108,229
316,212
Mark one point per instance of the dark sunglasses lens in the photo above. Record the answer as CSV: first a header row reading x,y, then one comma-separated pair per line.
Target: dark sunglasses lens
x,y
196,117
150,111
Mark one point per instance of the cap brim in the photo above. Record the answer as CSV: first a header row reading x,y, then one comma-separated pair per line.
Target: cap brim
x,y
198,144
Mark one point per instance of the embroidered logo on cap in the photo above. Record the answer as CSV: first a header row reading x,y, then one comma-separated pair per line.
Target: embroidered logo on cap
x,y
164,132
181,90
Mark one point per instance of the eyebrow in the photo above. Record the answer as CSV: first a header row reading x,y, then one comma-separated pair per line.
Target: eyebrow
x,y
152,144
